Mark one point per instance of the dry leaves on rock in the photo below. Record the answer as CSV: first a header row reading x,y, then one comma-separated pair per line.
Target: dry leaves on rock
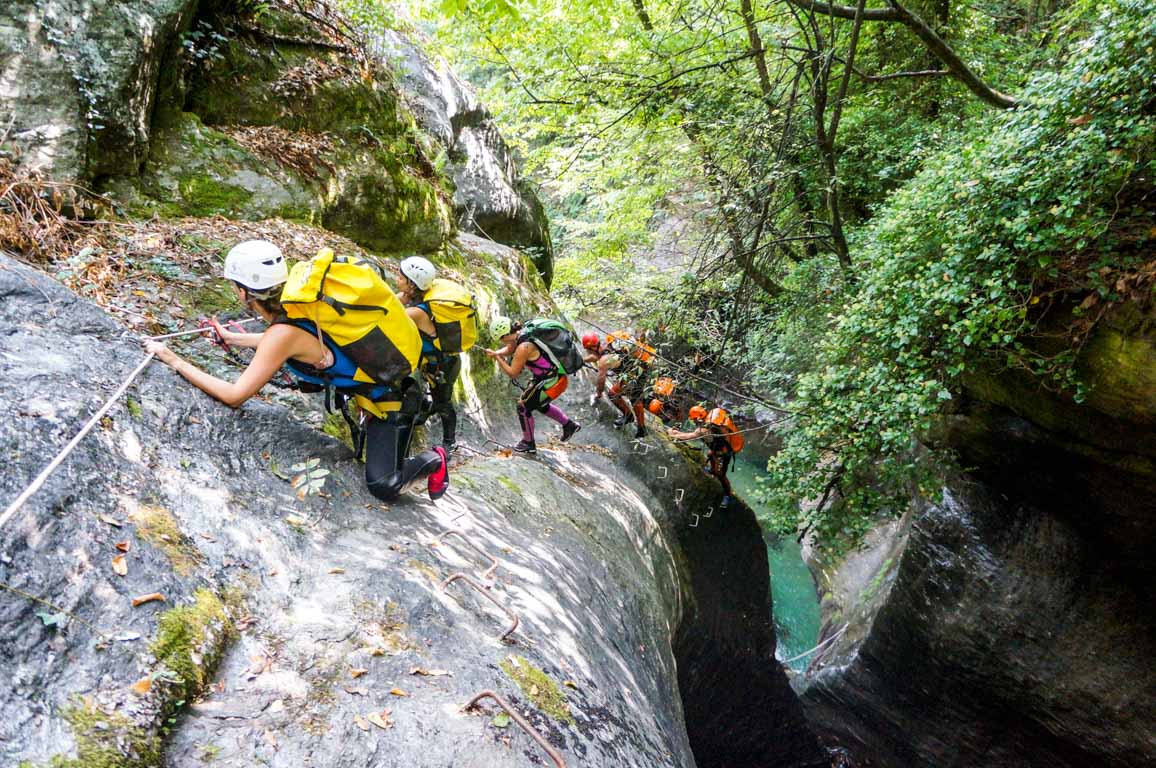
x,y
381,719
120,566
149,598
428,672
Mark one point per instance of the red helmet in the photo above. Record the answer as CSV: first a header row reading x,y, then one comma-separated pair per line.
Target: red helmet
x,y
697,413
655,407
590,341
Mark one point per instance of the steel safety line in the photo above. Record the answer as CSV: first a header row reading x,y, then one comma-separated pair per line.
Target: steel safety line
x,y
530,730
486,574
486,594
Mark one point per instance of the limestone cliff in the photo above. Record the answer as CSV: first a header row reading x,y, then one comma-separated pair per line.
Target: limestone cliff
x,y
1008,625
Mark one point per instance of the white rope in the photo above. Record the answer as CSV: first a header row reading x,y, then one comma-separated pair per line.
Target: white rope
x,y
817,647
197,330
14,507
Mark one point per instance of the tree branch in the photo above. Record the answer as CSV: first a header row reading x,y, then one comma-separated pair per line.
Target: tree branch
x,y
936,44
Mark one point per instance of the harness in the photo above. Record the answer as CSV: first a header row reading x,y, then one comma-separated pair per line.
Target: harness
x,y
337,381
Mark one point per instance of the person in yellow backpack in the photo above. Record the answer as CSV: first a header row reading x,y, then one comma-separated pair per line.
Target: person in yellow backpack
x,y
723,441
314,355
441,357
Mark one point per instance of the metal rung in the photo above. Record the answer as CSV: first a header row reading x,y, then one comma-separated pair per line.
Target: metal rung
x,y
486,574
695,523
709,512
665,472
484,593
678,494
525,726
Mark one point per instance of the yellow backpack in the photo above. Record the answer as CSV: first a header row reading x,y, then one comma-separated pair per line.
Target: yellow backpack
x,y
454,316
347,300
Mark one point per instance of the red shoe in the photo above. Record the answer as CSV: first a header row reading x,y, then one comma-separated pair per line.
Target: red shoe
x,y
439,480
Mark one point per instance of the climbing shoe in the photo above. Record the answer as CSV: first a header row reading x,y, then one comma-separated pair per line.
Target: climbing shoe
x,y
439,480
726,502
525,446
640,432
569,428
594,398
450,446
620,422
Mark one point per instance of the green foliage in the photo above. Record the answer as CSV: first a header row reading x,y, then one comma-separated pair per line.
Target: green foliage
x,y
1031,205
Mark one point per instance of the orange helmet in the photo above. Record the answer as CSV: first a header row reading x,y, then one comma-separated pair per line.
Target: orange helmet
x,y
590,341
697,413
655,407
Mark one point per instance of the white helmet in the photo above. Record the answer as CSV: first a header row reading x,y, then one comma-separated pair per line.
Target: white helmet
x,y
500,326
419,271
256,264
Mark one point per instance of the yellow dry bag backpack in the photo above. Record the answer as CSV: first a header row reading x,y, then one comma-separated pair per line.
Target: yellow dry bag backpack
x,y
453,314
347,303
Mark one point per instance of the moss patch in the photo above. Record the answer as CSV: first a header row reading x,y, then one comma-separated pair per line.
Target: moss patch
x,y
206,196
334,425
106,740
213,298
538,688
159,528
190,640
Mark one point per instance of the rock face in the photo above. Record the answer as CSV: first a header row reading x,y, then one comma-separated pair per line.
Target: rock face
x,y
78,80
489,197
176,109
301,627
1017,629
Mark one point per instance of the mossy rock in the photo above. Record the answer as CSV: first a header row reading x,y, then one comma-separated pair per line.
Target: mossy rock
x,y
537,686
158,527
105,740
191,638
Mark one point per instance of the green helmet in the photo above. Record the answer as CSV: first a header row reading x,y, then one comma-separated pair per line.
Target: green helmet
x,y
500,326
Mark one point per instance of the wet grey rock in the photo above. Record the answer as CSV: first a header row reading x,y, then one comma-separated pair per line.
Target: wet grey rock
x,y
616,595
490,197
78,80
1018,629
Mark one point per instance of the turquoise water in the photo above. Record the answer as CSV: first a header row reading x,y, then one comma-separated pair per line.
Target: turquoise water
x,y
796,603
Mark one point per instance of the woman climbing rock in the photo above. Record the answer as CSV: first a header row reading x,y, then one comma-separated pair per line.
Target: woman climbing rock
x,y
629,359
333,324
528,349
444,315
722,439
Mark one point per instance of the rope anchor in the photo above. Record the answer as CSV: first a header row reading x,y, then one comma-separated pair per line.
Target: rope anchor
x,y
484,593
521,721
486,574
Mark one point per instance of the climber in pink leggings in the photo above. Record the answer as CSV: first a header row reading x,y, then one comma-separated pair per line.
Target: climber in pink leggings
x,y
547,382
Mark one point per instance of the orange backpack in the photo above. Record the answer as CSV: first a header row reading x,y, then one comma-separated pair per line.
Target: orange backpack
x,y
720,419
636,349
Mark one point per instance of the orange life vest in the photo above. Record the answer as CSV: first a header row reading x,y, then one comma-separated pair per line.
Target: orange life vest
x,y
636,349
722,425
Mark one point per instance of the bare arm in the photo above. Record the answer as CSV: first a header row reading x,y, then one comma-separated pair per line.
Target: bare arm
x,y
697,433
421,320
278,344
513,368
